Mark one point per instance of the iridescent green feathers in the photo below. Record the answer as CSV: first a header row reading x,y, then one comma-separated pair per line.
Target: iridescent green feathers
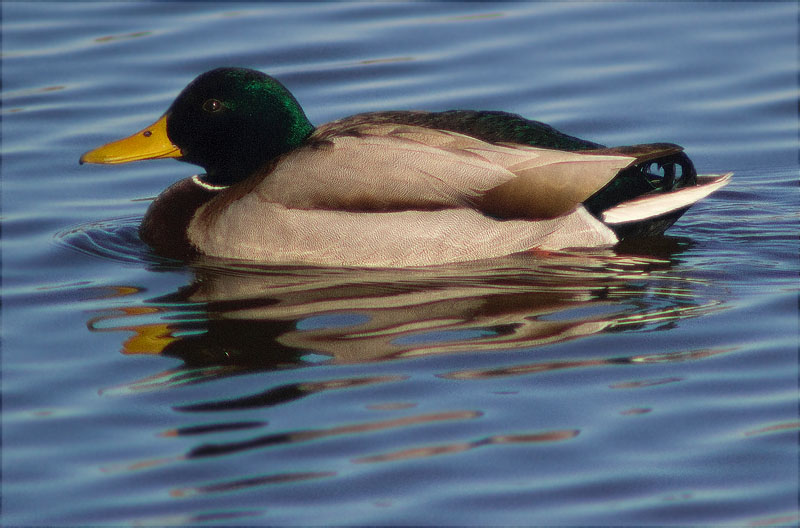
x,y
231,121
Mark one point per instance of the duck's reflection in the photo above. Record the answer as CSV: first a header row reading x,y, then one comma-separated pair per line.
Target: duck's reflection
x,y
235,316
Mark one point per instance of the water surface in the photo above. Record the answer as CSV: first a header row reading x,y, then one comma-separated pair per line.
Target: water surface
x,y
648,384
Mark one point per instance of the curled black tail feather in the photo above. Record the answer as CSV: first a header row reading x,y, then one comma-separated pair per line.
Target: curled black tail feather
x,y
663,174
666,177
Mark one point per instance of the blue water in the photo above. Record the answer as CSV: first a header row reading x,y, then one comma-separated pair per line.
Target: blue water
x,y
649,384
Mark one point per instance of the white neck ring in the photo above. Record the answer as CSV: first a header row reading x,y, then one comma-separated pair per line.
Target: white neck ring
x,y
205,185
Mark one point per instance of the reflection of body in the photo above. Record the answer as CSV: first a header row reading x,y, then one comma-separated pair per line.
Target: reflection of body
x,y
390,188
273,317
238,319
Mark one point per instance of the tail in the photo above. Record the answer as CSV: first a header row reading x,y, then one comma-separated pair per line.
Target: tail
x,y
652,213
650,195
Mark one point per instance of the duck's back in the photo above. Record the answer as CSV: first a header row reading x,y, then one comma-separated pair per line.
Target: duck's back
x,y
490,126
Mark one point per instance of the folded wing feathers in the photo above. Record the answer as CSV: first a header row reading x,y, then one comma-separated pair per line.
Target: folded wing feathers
x,y
414,167
543,183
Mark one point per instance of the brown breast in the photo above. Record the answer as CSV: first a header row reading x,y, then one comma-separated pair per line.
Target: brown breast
x,y
164,225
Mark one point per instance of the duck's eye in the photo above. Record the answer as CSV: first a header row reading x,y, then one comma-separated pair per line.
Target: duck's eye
x,y
212,105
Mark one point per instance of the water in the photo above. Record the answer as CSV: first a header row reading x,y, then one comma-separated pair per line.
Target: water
x,y
645,385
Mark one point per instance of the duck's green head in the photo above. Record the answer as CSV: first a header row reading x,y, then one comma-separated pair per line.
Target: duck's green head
x,y
230,121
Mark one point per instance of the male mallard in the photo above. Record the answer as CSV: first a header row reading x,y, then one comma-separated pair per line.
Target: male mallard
x,y
390,188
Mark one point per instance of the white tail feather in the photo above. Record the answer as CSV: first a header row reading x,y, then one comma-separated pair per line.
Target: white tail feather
x,y
653,205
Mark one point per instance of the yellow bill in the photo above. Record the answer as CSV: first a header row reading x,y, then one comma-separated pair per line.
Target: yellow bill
x,y
149,143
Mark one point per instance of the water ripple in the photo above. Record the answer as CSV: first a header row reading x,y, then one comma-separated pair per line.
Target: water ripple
x,y
653,384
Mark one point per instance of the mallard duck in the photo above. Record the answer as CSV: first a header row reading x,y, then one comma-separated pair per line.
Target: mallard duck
x,y
395,188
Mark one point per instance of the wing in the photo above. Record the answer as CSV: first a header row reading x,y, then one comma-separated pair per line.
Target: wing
x,y
389,167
